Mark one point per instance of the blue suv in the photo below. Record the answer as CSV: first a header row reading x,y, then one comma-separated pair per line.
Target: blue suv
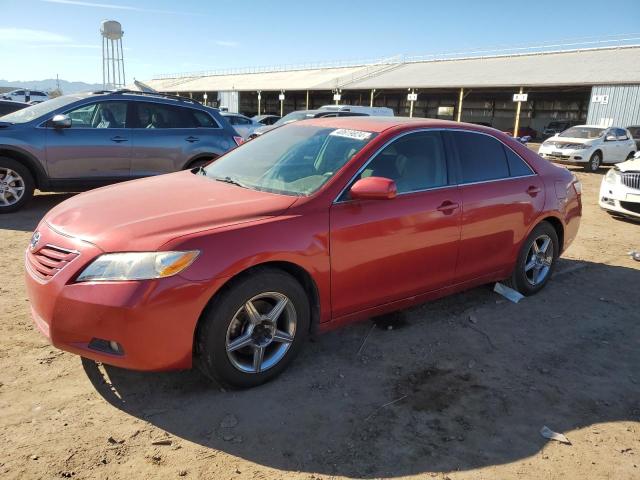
x,y
76,142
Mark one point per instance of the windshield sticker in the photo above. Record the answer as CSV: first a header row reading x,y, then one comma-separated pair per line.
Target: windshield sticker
x,y
354,134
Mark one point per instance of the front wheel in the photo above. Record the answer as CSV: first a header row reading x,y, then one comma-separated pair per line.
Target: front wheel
x,y
16,185
594,162
536,261
254,329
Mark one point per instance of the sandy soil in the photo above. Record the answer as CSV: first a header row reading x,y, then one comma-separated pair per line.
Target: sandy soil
x,y
457,388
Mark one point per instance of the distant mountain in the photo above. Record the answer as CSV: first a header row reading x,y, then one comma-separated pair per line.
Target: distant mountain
x,y
50,84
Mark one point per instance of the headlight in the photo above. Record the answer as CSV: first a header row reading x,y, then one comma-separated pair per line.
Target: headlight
x,y
137,265
612,176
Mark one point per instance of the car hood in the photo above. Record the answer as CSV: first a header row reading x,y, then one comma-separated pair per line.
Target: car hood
x,y
629,165
145,214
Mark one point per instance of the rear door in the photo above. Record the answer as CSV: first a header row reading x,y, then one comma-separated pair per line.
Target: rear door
x,y
96,146
501,196
387,250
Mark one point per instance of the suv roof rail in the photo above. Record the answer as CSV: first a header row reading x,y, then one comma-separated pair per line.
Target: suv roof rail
x,y
151,94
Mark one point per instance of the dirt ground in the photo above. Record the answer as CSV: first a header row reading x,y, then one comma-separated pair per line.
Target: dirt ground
x,y
457,388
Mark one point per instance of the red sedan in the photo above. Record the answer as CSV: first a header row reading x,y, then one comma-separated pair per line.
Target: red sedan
x,y
315,225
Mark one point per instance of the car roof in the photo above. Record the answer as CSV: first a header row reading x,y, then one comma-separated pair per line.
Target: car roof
x,y
380,124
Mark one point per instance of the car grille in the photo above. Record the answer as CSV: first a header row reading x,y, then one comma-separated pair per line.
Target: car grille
x,y
557,157
631,180
47,261
631,206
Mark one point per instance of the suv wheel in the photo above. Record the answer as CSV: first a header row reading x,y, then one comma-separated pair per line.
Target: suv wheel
x,y
16,185
594,162
254,329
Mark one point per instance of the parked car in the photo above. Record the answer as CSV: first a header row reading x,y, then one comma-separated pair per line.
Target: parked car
x,y
9,106
266,119
620,189
524,132
318,224
371,111
306,115
589,146
484,124
241,124
555,127
81,141
27,96
635,134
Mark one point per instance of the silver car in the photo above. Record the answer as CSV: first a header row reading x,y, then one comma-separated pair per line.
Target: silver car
x,y
245,126
81,141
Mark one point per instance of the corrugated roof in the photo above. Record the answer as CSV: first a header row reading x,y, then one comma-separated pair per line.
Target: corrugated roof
x,y
586,67
619,65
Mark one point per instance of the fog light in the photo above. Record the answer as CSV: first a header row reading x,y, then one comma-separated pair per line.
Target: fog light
x,y
106,346
578,158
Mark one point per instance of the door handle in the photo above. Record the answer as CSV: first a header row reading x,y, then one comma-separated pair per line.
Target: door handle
x,y
447,206
192,139
119,139
533,190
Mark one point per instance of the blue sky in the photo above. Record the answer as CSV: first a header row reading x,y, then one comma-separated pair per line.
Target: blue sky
x,y
42,38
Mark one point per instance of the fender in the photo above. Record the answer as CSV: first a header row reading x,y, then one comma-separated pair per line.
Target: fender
x,y
35,167
200,156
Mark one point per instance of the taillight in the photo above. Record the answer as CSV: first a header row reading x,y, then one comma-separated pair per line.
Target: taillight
x,y
577,185
239,140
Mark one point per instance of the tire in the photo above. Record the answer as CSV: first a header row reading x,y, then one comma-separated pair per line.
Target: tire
x,y
594,163
227,324
524,278
18,190
631,155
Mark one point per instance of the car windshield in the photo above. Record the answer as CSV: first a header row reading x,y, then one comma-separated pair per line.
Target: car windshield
x,y
39,109
583,132
293,117
296,160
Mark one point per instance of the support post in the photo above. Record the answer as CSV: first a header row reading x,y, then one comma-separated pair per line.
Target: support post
x,y
411,104
282,103
517,124
259,101
307,107
373,91
460,97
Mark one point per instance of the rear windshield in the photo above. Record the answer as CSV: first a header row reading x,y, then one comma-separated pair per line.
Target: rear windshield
x,y
583,132
292,160
293,117
39,109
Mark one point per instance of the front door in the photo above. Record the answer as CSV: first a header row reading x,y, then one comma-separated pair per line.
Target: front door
x,y
387,250
97,146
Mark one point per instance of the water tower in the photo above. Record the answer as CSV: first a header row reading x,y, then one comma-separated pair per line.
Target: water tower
x,y
112,57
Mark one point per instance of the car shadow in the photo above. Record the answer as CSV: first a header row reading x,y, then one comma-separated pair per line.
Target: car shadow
x,y
460,383
27,218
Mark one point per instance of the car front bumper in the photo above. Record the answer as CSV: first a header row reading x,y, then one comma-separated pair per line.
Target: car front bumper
x,y
565,156
153,322
620,199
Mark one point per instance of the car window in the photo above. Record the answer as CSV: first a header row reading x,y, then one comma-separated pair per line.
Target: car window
x,y
621,134
415,162
158,115
482,157
203,119
242,121
18,92
517,166
99,115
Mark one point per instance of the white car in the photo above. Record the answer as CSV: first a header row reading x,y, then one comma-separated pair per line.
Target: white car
x,y
245,126
371,111
620,189
28,96
589,146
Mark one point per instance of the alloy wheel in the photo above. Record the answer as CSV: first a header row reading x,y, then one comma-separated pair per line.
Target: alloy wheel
x,y
539,260
261,332
12,187
595,162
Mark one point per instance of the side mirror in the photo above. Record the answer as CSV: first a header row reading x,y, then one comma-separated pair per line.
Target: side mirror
x,y
61,121
610,138
374,188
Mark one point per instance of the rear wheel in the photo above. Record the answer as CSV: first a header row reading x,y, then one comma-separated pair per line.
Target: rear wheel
x,y
594,162
536,261
254,329
16,185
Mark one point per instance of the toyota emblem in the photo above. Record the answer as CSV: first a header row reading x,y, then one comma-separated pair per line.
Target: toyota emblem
x,y
35,238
